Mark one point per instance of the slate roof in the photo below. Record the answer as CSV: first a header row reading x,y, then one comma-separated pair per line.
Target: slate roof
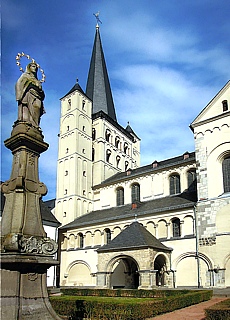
x,y
47,216
135,236
131,173
98,87
153,207
76,87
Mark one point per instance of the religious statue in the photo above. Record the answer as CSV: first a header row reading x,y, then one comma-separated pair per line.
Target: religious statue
x,y
30,96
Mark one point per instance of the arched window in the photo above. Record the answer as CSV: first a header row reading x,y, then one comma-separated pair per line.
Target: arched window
x,y
108,154
176,227
135,192
83,104
125,147
118,158
69,104
120,196
93,154
192,180
81,240
174,184
107,135
93,134
107,236
226,174
126,165
117,142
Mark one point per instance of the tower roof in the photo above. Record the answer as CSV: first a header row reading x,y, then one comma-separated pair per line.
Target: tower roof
x,y
76,87
98,87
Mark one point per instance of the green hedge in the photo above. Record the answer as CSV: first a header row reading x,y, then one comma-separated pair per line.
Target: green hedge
x,y
138,293
219,311
123,308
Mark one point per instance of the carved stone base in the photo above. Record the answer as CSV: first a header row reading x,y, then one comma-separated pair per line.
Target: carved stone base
x,y
24,293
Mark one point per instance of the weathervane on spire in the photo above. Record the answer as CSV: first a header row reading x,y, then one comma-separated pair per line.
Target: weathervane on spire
x,y
97,17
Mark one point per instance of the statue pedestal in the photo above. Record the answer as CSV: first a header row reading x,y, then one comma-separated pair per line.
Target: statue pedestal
x,y
24,291
26,251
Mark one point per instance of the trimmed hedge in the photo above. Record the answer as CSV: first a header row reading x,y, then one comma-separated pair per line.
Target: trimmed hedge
x,y
137,293
77,308
219,311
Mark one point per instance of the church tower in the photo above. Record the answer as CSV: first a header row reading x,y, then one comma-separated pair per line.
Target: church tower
x,y
74,168
92,145
115,148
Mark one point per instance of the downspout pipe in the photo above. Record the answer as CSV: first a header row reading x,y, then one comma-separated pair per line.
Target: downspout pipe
x,y
197,247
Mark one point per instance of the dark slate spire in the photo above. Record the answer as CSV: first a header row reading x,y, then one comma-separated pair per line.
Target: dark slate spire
x,y
98,86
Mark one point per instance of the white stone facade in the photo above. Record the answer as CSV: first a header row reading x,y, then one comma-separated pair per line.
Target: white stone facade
x,y
208,255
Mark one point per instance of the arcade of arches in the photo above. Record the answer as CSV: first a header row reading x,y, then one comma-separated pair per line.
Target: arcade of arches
x,y
125,271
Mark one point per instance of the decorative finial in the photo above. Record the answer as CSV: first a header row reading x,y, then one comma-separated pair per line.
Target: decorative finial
x,y
77,80
97,18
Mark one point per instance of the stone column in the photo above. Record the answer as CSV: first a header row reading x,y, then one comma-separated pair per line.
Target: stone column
x,y
147,279
26,252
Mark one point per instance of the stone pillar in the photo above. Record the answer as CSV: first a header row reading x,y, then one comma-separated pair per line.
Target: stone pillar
x,y
147,279
26,252
102,281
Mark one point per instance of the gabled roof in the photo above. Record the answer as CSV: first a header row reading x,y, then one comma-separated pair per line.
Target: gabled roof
x,y
76,87
214,108
153,207
98,87
135,236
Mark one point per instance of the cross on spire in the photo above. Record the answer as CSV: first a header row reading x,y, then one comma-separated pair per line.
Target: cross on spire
x,y
97,17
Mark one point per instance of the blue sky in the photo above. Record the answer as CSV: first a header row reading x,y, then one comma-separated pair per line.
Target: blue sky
x,y
166,60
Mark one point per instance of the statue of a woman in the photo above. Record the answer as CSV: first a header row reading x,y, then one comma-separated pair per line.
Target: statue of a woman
x,y
30,96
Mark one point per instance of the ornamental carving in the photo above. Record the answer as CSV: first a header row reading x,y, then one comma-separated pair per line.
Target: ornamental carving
x,y
32,244
207,241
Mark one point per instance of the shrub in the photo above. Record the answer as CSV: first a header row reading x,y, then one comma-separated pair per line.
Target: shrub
x,y
114,308
138,293
219,311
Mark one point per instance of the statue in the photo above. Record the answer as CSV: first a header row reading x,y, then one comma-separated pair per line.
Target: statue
x,y
30,96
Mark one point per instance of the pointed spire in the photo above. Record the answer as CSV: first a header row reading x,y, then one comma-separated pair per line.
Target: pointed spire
x,y
98,87
76,87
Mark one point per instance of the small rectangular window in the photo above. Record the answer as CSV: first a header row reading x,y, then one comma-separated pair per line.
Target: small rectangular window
x,y
225,105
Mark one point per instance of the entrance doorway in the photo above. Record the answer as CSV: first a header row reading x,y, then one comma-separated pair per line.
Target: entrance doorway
x,y
124,274
160,266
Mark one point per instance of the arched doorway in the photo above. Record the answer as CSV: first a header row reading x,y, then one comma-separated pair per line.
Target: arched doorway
x,y
160,267
124,273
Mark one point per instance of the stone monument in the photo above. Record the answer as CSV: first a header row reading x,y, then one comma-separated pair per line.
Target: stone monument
x,y
26,251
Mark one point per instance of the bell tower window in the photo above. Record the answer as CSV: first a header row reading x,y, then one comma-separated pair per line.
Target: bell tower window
x,y
69,104
107,135
108,154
